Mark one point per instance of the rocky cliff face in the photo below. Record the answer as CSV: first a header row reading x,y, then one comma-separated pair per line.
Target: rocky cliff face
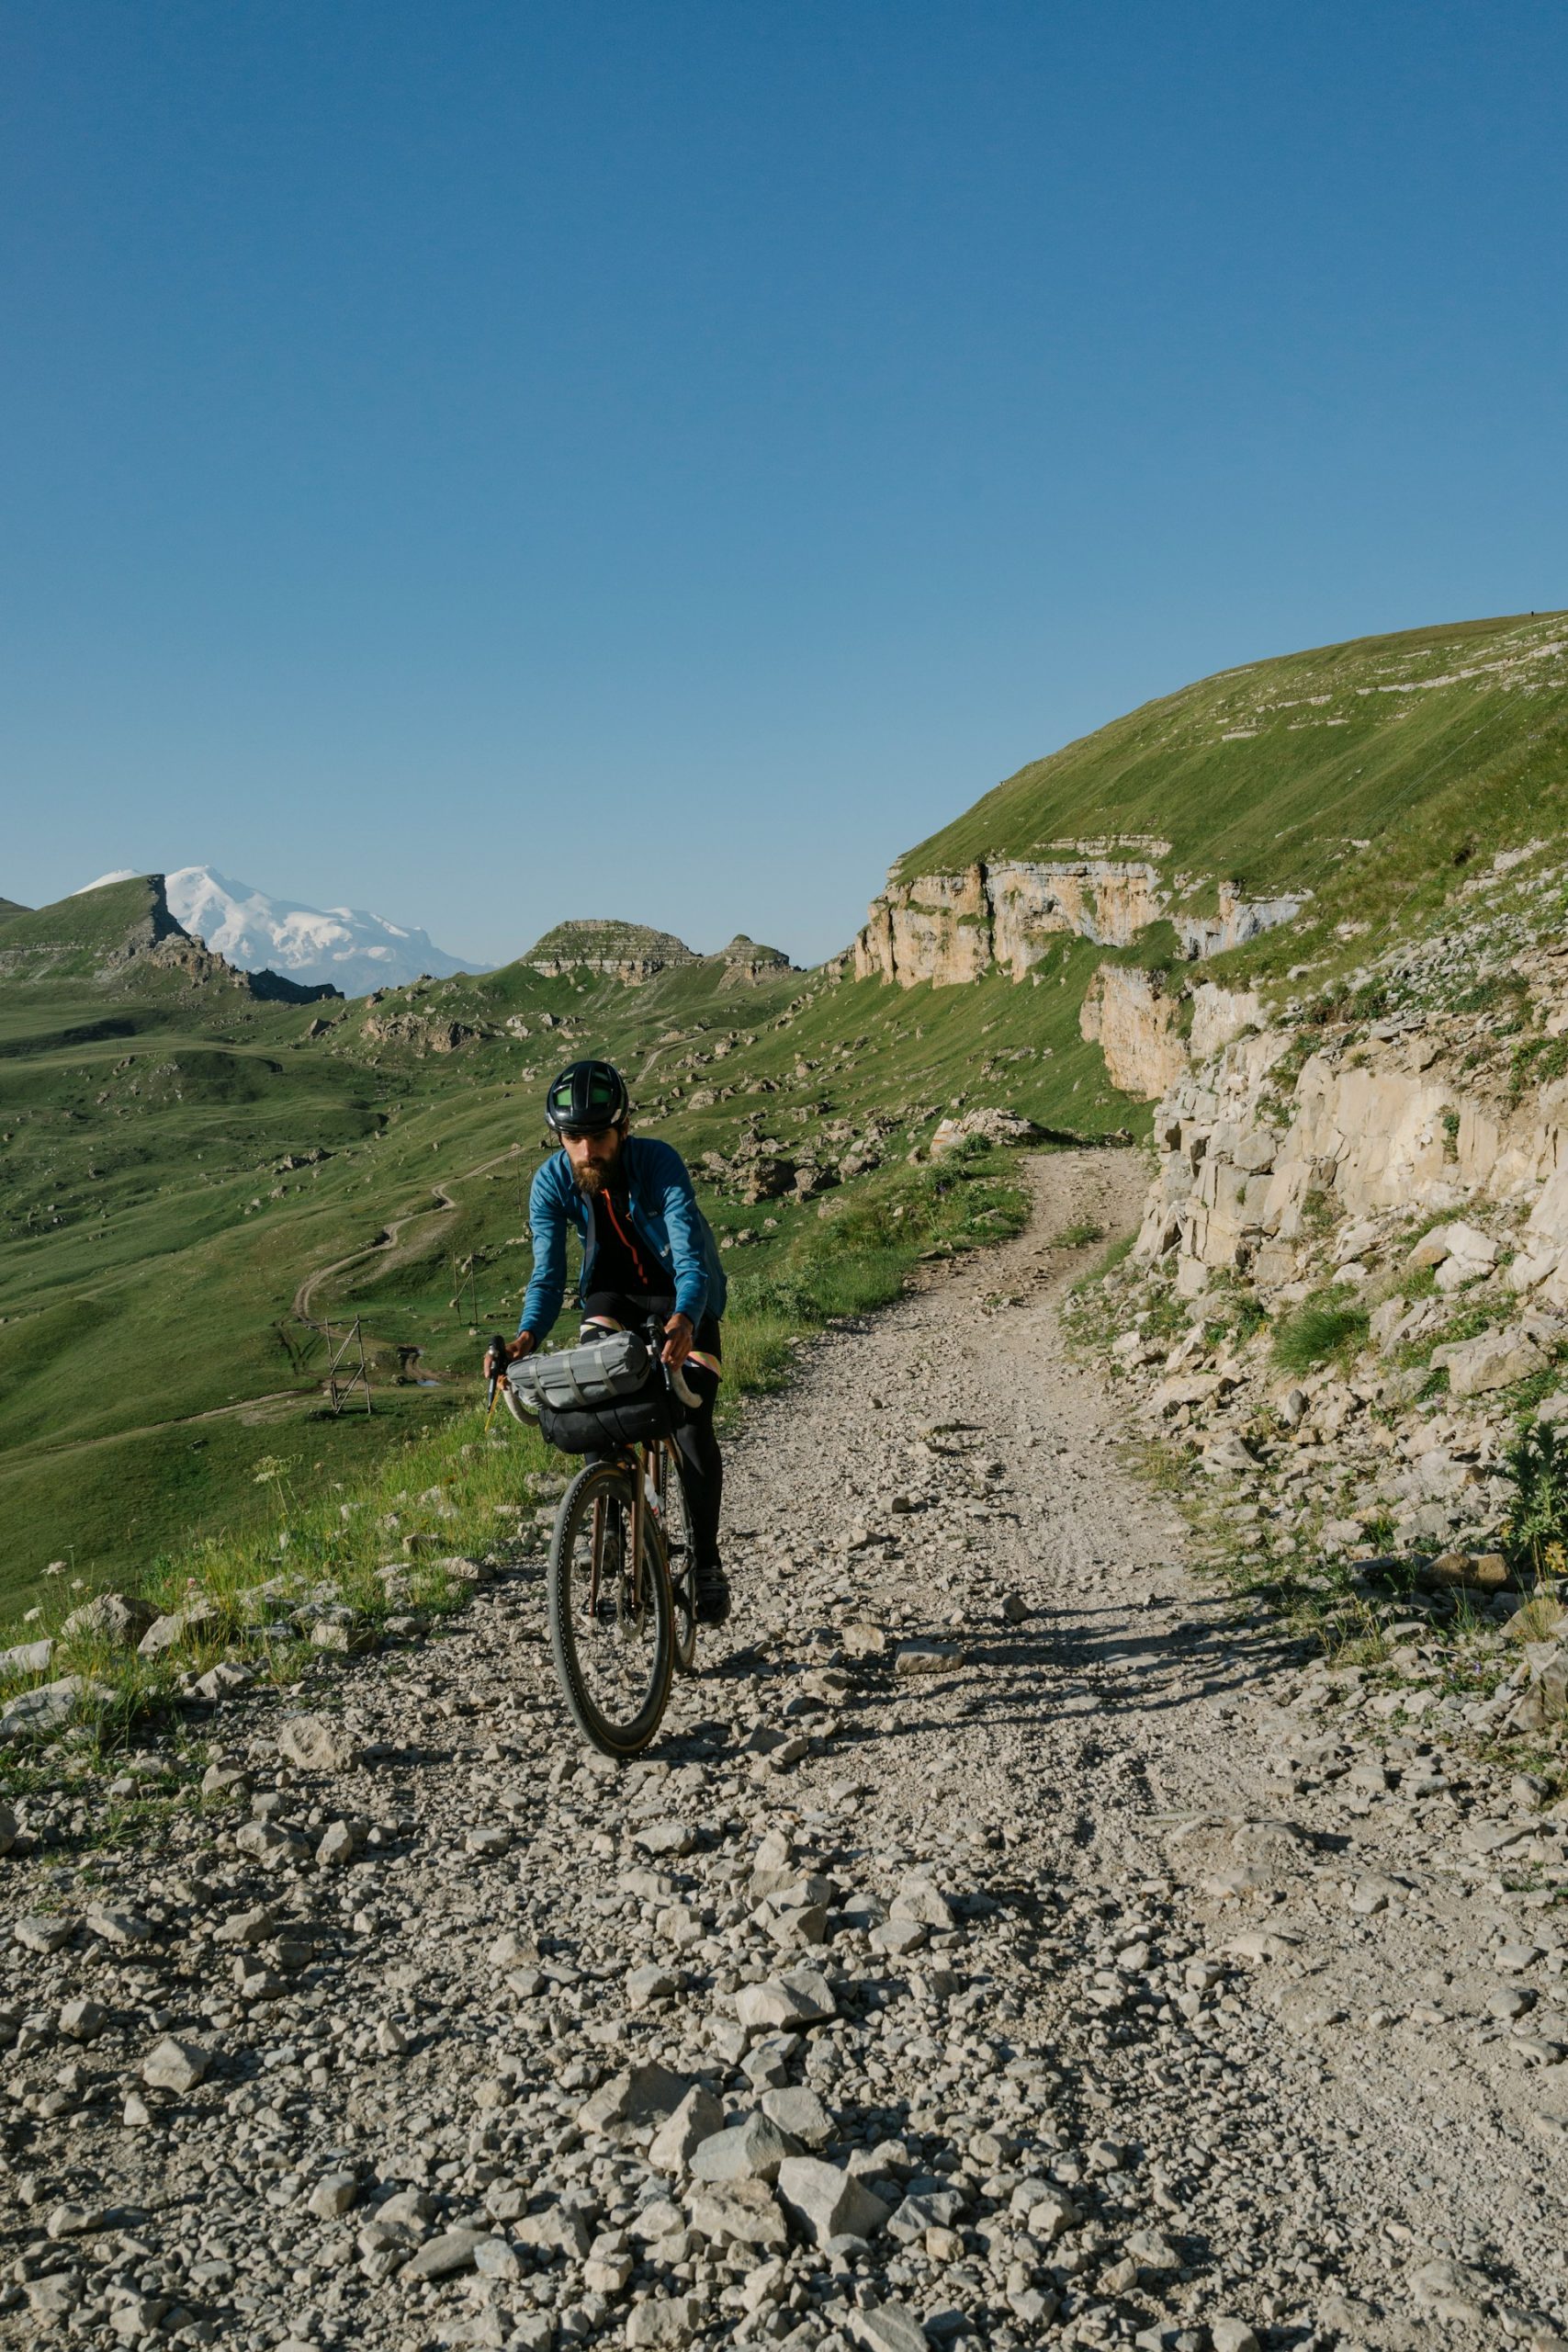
x,y
950,928
1357,1237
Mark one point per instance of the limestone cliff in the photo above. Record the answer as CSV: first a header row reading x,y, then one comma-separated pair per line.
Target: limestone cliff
x,y
1269,1134
950,928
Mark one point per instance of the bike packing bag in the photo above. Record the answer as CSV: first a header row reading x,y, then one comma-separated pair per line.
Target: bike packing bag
x,y
594,1398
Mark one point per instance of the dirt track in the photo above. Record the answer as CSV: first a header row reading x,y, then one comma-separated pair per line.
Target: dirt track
x,y
1150,2014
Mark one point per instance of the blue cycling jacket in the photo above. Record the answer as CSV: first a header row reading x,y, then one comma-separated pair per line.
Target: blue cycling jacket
x,y
665,1213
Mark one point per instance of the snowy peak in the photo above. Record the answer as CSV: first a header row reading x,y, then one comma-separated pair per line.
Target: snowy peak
x,y
355,950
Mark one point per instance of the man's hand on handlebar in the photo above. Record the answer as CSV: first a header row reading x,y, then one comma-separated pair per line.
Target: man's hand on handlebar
x,y
678,1338
510,1351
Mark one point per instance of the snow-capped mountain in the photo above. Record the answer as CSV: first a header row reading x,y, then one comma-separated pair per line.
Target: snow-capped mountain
x,y
355,950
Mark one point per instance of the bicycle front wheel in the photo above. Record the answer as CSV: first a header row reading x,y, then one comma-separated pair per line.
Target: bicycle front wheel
x,y
610,1630
680,1557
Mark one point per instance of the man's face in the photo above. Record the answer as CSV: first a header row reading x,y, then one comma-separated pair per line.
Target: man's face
x,y
592,1158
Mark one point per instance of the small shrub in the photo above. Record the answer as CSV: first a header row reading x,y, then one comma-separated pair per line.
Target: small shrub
x,y
1535,1532
1078,1237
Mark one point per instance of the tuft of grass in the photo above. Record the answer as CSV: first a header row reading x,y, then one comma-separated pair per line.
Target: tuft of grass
x,y
1117,1255
1317,1331
1082,1236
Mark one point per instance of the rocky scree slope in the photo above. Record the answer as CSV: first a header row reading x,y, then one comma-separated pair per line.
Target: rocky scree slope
x,y
992,1954
1348,1304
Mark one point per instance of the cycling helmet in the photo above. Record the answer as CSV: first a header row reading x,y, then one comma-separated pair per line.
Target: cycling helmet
x,y
589,1098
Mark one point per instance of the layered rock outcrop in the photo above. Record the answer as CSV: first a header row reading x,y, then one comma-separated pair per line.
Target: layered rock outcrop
x,y
747,963
951,928
620,950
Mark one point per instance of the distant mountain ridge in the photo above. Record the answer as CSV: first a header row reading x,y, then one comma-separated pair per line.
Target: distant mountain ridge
x,y
348,948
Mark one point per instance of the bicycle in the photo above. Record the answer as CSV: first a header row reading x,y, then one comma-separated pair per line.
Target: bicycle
x,y
622,1573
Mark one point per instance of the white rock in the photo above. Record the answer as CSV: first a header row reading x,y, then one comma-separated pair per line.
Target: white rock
x,y
828,2203
663,2320
800,2113
172,2065
444,2257
697,2118
886,2327
751,2150
800,1999
27,1658
333,2194
743,2212
317,1743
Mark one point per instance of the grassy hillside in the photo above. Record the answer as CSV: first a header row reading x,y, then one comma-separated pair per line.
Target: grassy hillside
x,y
157,1239
1361,771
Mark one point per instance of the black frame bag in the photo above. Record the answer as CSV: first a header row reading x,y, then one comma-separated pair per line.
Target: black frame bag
x,y
593,1398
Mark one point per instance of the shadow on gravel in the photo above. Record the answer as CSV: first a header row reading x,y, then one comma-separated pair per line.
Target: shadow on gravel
x,y
1119,1670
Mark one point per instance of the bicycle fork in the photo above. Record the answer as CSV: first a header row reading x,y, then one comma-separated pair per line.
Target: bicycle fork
x,y
639,1511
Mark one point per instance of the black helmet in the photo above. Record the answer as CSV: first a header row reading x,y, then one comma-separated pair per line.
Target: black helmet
x,y
589,1098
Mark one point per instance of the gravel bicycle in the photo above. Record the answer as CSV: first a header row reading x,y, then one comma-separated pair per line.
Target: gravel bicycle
x,y
622,1573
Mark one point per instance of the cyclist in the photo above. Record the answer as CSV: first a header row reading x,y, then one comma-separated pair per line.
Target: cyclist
x,y
647,1251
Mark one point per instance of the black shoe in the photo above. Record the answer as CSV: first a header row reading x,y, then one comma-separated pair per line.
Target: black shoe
x,y
713,1595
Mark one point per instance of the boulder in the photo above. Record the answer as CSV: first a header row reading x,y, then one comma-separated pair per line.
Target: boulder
x,y
316,1743
49,1706
751,2150
166,1632
827,2203
640,2094
696,2120
1494,1360
743,2212
112,1617
27,1658
1544,1702
993,1127
172,2065
801,1998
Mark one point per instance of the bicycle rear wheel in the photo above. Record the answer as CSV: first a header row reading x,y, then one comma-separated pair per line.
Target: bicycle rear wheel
x,y
611,1633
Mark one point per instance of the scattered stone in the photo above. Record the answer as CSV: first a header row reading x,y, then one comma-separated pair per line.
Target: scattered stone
x,y
444,2257
799,1999
828,2203
317,1744
172,2065
751,2150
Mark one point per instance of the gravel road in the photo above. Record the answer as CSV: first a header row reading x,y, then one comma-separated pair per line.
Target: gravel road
x,y
1001,1945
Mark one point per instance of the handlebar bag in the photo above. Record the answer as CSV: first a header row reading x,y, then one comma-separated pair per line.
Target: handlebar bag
x,y
606,1393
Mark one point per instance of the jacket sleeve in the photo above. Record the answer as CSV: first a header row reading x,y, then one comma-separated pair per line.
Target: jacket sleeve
x,y
684,1223
546,1286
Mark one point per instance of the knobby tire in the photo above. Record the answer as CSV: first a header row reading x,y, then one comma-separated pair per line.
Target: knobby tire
x,y
575,1638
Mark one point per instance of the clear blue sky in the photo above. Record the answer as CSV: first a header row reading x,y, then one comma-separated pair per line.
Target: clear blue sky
x,y
498,462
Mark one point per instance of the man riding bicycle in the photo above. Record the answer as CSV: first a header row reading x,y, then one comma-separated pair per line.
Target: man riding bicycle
x,y
647,1251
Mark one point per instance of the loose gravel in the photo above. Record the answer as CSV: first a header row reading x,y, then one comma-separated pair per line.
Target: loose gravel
x,y
996,1949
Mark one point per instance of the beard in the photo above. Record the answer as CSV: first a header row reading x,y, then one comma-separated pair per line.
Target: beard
x,y
598,1175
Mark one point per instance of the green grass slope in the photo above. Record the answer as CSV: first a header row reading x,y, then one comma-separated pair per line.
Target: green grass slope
x,y
156,1239
1361,771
